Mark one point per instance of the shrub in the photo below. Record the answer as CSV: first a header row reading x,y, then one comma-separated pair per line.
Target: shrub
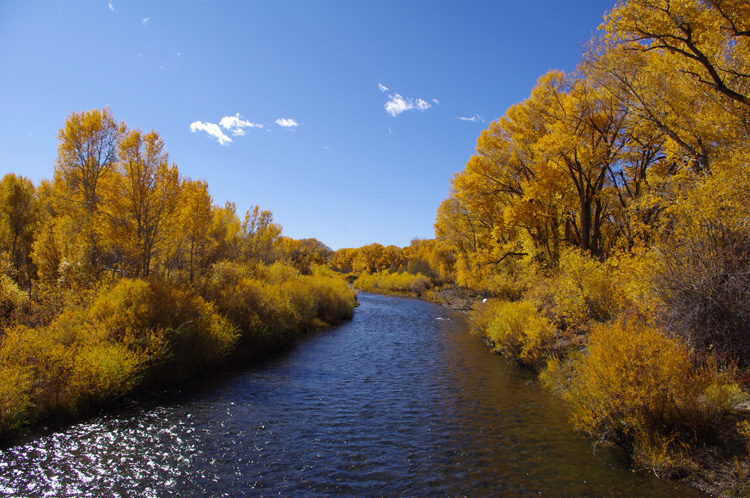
x,y
196,336
482,314
63,369
704,282
583,290
135,333
394,283
703,262
271,304
11,297
15,398
639,388
127,307
519,331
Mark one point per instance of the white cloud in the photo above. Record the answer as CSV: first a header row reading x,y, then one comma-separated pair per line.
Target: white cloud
x,y
236,125
286,123
212,129
144,21
397,103
436,101
473,118
111,6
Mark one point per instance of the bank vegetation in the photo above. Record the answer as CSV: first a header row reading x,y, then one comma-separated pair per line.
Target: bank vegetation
x,y
120,275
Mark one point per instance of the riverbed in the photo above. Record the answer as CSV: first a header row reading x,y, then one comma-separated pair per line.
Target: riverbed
x,y
400,401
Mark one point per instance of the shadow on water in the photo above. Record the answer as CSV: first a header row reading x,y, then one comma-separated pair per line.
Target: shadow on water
x,y
401,401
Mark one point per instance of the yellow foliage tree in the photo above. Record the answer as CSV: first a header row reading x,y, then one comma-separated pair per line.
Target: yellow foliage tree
x,y
140,203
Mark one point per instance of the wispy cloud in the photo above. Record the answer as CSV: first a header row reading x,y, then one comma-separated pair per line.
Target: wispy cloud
x,y
286,123
212,129
475,118
237,125
144,21
397,103
111,6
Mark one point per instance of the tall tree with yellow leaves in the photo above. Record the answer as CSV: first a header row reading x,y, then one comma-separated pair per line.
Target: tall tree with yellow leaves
x,y
86,154
140,201
20,215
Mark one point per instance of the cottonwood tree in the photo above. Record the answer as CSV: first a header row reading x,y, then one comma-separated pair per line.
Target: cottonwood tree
x,y
86,154
260,234
20,215
140,202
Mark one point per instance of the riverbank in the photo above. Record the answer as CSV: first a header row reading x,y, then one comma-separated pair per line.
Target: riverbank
x,y
129,336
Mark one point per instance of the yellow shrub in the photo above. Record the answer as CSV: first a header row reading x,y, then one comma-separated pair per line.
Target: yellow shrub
x,y
743,428
482,314
15,396
127,306
197,336
138,333
394,283
640,388
583,290
519,331
65,368
587,289
100,370
271,304
11,296
334,299
632,380
633,272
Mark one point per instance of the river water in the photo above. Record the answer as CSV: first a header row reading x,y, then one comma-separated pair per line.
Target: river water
x,y
401,401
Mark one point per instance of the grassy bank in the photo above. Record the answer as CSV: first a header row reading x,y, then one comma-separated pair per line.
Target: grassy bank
x,y
66,354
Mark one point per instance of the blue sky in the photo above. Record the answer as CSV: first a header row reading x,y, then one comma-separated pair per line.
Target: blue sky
x,y
345,118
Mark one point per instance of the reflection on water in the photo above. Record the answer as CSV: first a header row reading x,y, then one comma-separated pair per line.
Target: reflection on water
x,y
400,401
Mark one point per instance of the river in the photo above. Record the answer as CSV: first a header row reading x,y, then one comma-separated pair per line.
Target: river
x,y
400,401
